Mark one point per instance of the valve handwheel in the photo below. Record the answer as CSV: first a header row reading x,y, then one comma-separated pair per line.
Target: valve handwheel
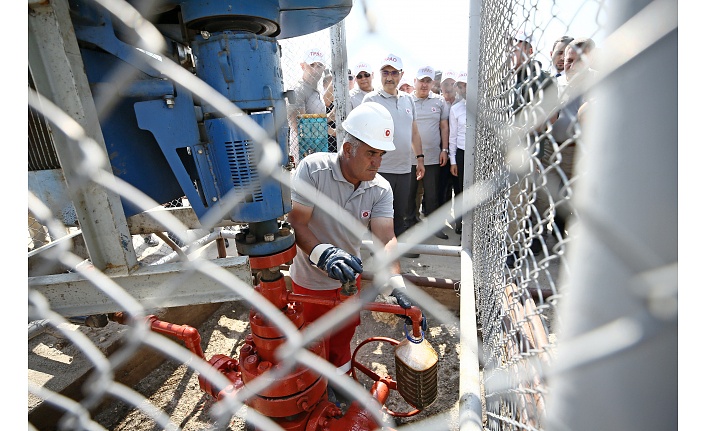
x,y
392,384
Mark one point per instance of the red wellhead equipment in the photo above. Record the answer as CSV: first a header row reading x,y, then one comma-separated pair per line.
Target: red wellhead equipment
x,y
299,401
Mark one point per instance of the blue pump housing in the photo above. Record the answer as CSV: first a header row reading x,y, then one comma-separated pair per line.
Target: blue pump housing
x,y
168,144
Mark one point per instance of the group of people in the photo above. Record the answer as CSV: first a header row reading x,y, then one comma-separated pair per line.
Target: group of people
x,y
422,170
394,144
546,110
429,130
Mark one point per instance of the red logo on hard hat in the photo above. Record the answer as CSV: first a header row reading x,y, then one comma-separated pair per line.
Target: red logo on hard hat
x,y
387,132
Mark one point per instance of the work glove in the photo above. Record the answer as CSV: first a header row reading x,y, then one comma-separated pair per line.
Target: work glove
x,y
338,264
399,292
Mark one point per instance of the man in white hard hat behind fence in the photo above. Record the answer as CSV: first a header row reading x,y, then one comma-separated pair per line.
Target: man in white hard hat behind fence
x,y
328,250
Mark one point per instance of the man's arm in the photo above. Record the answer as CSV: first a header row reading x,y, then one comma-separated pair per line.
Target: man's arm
x,y
299,218
444,129
453,131
383,228
417,148
328,94
337,263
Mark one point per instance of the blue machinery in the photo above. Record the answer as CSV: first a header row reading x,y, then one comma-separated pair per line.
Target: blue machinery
x,y
168,144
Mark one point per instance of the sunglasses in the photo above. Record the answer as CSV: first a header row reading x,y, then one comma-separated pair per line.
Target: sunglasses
x,y
350,77
363,75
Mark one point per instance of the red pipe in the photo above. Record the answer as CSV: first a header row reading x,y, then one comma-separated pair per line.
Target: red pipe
x,y
325,416
188,334
414,313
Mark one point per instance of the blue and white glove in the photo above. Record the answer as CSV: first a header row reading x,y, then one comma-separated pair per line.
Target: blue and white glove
x,y
399,292
338,264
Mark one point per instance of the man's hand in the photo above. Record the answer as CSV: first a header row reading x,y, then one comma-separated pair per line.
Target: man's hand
x,y
338,264
420,169
402,298
404,301
443,158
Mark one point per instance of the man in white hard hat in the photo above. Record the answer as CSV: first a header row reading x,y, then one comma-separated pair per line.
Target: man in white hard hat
x,y
328,242
408,143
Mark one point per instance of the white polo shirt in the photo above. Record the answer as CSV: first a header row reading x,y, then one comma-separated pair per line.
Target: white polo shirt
x,y
370,200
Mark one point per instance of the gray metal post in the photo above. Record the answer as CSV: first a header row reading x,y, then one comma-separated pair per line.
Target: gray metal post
x,y
339,61
470,408
471,115
616,365
57,68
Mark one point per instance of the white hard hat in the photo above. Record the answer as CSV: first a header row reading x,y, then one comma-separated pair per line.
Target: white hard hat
x,y
371,123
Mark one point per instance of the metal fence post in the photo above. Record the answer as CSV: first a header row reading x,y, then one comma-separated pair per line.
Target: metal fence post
x,y
616,364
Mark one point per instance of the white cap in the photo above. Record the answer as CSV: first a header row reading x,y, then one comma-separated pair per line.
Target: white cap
x,y
371,123
362,67
426,72
522,36
314,55
462,77
404,81
391,60
448,74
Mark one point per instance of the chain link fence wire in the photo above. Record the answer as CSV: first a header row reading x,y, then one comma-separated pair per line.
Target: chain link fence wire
x,y
532,237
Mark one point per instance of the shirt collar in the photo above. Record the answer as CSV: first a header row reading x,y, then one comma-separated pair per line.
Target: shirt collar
x,y
387,95
415,97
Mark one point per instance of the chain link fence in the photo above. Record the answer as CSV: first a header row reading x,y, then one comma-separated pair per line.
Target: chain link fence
x,y
565,286
528,235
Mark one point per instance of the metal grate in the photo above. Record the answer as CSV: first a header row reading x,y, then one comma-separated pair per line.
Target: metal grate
x,y
243,169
